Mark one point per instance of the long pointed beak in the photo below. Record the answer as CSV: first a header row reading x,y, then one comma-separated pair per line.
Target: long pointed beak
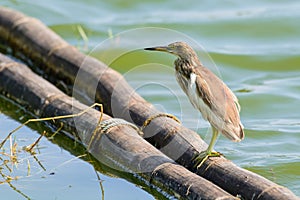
x,y
165,49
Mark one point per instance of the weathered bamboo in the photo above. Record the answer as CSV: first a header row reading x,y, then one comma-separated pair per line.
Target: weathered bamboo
x,y
60,60
121,145
77,150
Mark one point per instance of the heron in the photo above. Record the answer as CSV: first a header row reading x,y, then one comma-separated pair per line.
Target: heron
x,y
207,93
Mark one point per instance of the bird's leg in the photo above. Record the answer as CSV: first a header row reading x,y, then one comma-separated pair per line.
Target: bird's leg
x,y
215,134
203,156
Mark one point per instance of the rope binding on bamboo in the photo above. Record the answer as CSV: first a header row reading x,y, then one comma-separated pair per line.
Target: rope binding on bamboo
x,y
148,121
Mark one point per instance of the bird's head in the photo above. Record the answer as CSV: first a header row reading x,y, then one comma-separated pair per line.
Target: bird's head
x,y
180,49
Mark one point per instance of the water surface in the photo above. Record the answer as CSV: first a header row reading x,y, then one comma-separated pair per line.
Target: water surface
x,y
255,45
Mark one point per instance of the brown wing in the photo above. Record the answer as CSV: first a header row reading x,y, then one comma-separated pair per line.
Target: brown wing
x,y
204,92
222,102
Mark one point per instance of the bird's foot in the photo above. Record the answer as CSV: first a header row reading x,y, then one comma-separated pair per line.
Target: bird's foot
x,y
200,158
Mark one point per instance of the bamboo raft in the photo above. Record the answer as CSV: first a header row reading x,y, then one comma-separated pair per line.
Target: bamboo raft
x,y
33,42
121,145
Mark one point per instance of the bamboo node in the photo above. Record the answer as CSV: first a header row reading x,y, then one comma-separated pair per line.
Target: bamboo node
x,y
215,161
57,47
22,21
157,168
10,64
148,121
270,188
47,101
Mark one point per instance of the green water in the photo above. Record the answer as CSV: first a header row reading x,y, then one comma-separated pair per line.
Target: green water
x,y
255,45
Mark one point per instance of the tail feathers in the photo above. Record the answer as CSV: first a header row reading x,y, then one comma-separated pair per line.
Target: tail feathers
x,y
242,134
235,134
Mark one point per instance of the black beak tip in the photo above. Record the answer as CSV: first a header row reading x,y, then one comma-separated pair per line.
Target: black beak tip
x,y
149,49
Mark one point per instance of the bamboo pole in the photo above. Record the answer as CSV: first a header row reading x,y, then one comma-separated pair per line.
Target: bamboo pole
x,y
58,59
77,150
121,146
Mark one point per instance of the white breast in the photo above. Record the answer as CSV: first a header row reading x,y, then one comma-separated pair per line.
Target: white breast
x,y
189,87
193,78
